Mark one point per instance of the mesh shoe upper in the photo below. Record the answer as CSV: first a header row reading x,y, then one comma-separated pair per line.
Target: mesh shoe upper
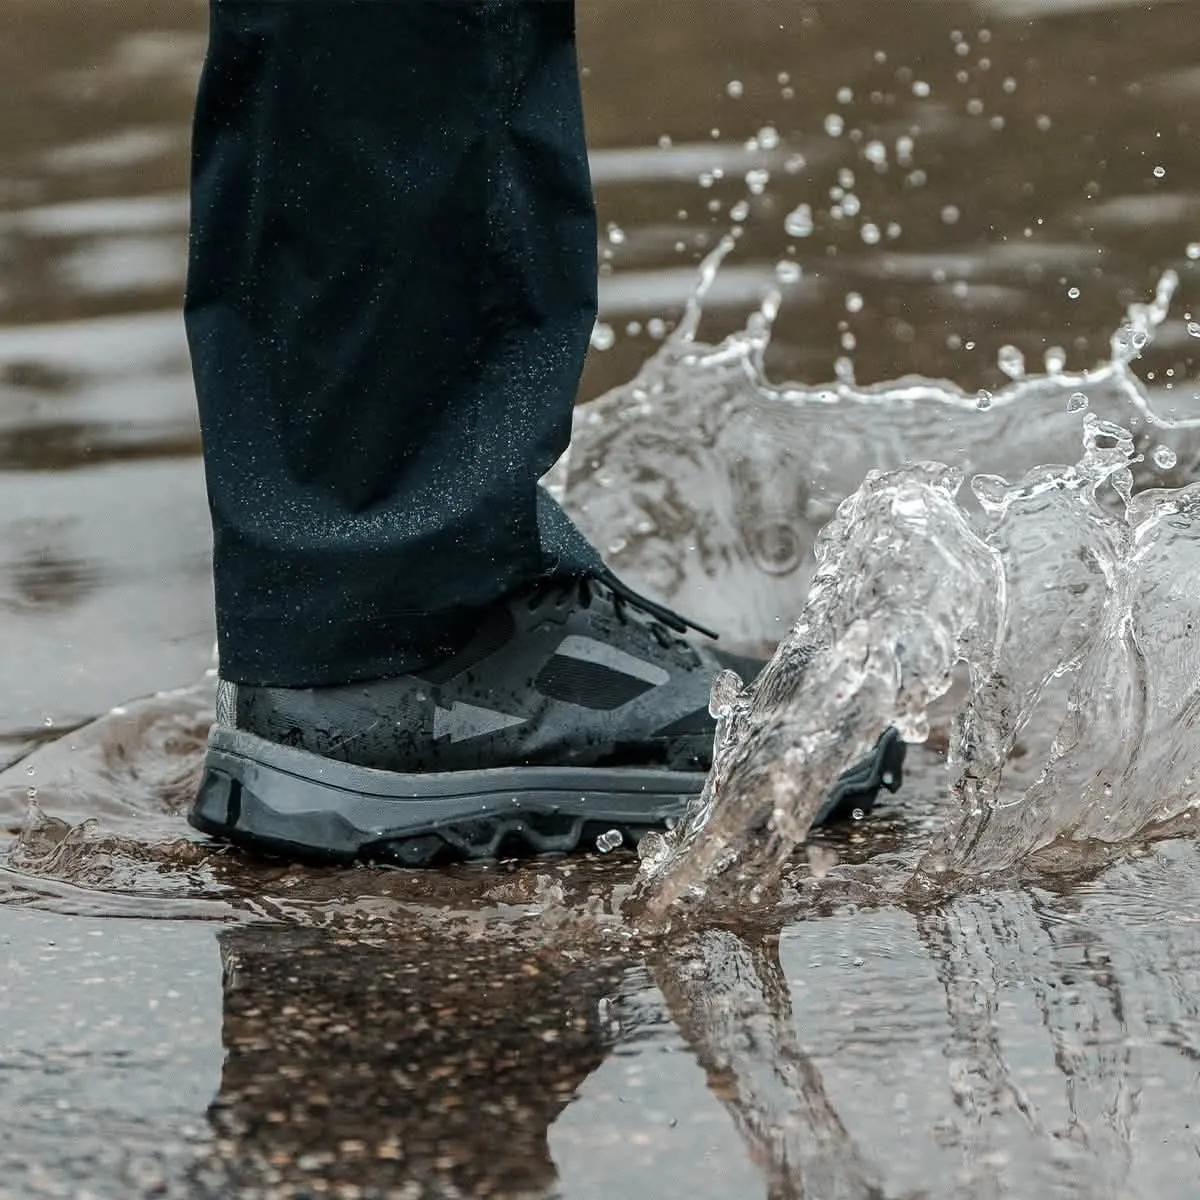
x,y
577,672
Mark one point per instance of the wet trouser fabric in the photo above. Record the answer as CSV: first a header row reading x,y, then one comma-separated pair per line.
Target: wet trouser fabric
x,y
391,286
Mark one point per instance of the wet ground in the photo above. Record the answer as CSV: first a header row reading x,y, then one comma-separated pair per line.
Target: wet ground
x,y
180,1022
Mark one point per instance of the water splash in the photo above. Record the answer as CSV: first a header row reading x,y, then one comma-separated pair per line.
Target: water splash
x,y
1070,601
706,484
903,590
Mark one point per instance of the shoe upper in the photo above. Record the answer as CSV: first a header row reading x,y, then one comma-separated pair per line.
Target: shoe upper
x,y
574,672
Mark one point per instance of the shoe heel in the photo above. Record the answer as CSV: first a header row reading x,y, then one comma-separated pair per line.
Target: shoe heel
x,y
218,804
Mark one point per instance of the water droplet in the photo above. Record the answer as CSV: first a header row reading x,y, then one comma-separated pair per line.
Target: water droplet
x,y
854,302
653,849
31,793
921,88
740,211
1193,251
844,95
31,770
835,125
1122,482
869,233
603,337
950,214
799,222
610,841
992,492
724,692
734,89
1193,328
787,271
768,137
1077,402
616,235
1164,457
857,815
48,722
875,152
757,180
983,399
1055,359
1011,361
1072,293
1159,172
664,142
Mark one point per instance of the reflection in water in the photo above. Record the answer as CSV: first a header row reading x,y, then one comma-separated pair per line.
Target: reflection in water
x,y
413,1061
729,997
1056,1062
42,579
64,445
1065,1016
1079,1128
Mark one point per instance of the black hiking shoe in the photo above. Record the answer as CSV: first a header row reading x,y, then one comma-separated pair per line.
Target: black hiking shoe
x,y
575,713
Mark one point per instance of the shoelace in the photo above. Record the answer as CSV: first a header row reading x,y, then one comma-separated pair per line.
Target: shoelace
x,y
623,596
622,592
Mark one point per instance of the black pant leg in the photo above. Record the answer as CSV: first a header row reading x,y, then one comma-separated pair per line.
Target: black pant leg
x,y
391,289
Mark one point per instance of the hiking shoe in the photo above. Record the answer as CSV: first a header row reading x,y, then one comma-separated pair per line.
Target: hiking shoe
x,y
577,713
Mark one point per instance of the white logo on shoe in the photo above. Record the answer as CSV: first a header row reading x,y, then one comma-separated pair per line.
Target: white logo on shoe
x,y
461,722
590,650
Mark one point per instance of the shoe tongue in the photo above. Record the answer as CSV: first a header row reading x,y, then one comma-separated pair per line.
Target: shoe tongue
x,y
574,556
659,612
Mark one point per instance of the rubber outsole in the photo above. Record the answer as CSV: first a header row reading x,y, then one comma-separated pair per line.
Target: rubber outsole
x,y
279,800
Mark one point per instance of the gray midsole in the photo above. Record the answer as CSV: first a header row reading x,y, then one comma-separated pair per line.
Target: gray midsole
x,y
294,783
298,797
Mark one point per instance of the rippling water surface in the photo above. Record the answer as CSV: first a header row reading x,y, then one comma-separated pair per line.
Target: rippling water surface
x,y
951,234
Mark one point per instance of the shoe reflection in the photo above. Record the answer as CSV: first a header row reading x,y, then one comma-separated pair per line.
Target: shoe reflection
x,y
421,1066
411,1067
